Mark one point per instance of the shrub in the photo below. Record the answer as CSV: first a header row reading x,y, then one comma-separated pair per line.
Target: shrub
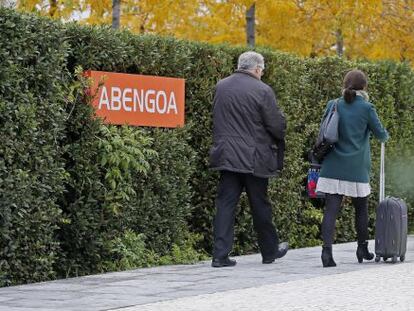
x,y
32,173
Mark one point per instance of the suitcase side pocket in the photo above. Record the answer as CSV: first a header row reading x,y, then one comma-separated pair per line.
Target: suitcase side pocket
x,y
404,228
380,229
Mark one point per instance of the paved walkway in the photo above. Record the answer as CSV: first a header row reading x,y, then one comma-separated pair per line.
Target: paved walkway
x,y
295,282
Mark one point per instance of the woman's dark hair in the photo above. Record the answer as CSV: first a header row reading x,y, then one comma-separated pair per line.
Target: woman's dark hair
x,y
354,80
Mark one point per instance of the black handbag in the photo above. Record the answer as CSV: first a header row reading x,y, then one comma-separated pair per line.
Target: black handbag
x,y
321,150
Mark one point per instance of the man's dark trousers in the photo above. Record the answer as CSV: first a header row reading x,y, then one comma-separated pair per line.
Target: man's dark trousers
x,y
229,190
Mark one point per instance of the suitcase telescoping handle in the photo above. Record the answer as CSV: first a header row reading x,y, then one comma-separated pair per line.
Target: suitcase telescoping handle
x,y
382,174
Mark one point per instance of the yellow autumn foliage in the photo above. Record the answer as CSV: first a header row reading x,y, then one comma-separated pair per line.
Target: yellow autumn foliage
x,y
373,29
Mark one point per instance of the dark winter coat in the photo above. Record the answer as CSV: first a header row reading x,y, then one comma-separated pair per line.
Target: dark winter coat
x,y
248,127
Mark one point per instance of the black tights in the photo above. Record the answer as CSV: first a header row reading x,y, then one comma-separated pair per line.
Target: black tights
x,y
332,207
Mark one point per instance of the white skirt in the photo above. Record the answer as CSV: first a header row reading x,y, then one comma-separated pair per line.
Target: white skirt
x,y
347,188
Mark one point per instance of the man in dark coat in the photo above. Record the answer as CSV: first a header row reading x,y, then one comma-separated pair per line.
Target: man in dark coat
x,y
248,135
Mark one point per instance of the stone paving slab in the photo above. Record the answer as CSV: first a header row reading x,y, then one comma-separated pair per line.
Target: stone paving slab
x,y
168,284
389,288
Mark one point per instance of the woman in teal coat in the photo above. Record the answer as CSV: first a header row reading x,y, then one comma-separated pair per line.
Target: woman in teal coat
x,y
345,170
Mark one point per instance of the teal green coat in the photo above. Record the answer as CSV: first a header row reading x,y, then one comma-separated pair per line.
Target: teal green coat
x,y
350,159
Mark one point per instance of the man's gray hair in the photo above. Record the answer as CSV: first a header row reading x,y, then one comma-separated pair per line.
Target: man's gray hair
x,y
250,60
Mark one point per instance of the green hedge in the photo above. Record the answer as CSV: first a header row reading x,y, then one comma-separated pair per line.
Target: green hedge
x,y
32,173
79,197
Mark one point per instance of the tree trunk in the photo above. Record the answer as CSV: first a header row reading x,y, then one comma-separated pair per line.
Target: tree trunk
x,y
250,25
53,8
339,43
116,14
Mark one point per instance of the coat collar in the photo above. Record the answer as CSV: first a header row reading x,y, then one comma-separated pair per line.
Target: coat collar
x,y
246,72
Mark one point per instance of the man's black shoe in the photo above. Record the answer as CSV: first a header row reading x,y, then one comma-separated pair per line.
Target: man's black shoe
x,y
282,250
226,262
267,261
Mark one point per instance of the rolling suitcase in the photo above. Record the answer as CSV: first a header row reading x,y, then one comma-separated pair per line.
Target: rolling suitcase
x,y
391,223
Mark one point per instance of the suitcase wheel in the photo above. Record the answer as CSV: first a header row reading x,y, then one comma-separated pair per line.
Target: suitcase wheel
x,y
378,258
402,258
394,259
385,258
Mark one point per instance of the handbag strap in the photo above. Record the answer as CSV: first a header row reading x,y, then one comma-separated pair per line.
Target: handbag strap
x,y
382,174
335,105
331,111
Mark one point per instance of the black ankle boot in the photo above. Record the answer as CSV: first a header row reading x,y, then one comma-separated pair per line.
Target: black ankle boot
x,y
327,259
363,253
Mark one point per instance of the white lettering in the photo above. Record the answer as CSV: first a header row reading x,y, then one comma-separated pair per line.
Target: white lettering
x,y
164,109
104,99
172,105
132,100
116,94
150,101
126,99
139,100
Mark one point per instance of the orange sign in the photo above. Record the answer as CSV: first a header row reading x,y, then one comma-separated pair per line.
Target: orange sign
x,y
138,100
